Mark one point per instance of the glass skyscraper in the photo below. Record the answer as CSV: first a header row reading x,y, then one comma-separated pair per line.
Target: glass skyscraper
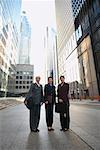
x,y
78,44
51,55
9,35
87,27
25,40
66,45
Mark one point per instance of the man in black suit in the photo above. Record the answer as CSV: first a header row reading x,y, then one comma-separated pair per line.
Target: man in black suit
x,y
49,98
36,93
63,90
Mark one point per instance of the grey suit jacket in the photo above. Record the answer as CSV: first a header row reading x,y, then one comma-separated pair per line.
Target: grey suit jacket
x,y
36,93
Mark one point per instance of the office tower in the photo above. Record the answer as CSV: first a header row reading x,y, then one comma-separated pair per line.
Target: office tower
x,y
24,70
25,40
24,78
50,55
67,45
86,15
9,35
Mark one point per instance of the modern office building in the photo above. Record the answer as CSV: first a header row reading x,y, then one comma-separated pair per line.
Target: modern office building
x,y
86,15
24,78
25,40
24,70
9,33
66,45
50,55
78,26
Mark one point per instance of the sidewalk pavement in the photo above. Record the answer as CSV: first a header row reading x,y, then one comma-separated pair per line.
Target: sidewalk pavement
x,y
84,133
85,101
16,135
9,101
12,101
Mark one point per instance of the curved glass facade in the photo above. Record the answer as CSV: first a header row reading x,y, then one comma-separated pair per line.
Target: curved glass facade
x,y
25,39
87,16
9,34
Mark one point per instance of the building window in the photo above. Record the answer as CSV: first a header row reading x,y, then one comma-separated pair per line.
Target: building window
x,y
20,82
21,72
16,82
16,77
16,87
20,77
31,77
27,77
27,87
24,73
23,82
27,82
24,77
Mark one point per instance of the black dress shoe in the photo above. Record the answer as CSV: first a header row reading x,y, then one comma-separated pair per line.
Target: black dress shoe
x,y
49,129
52,129
65,130
37,130
34,130
61,129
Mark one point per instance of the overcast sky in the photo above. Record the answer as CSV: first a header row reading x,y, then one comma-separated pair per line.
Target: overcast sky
x,y
41,13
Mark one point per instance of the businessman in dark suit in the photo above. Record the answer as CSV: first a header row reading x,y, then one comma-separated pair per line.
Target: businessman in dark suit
x,y
36,93
63,90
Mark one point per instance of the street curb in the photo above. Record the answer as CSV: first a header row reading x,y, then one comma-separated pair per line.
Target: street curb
x,y
82,139
10,105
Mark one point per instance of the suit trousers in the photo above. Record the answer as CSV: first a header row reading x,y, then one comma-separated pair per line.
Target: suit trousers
x,y
35,116
65,119
49,114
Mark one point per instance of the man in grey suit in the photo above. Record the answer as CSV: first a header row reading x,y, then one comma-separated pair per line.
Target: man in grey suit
x,y
36,92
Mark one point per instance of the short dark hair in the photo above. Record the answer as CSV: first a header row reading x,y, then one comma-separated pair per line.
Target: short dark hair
x,y
50,78
62,77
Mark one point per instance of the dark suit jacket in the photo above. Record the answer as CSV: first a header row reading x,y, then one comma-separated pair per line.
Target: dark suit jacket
x,y
49,91
36,93
63,92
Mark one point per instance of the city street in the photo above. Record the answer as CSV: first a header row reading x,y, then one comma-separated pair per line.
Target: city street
x,y
84,134
49,49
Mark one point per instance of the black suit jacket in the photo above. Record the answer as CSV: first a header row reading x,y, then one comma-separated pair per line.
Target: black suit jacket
x,y
48,91
63,92
36,93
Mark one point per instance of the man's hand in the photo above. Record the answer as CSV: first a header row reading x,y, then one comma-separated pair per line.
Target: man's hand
x,y
46,102
60,100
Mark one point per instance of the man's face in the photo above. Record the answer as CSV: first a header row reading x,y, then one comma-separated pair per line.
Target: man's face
x,y
62,79
37,79
50,80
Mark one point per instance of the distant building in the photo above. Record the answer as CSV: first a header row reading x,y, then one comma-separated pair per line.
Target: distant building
x,y
24,70
9,39
51,55
24,78
25,40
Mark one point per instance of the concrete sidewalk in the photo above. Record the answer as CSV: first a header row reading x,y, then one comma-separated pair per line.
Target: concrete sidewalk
x,y
85,122
9,101
85,101
15,133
